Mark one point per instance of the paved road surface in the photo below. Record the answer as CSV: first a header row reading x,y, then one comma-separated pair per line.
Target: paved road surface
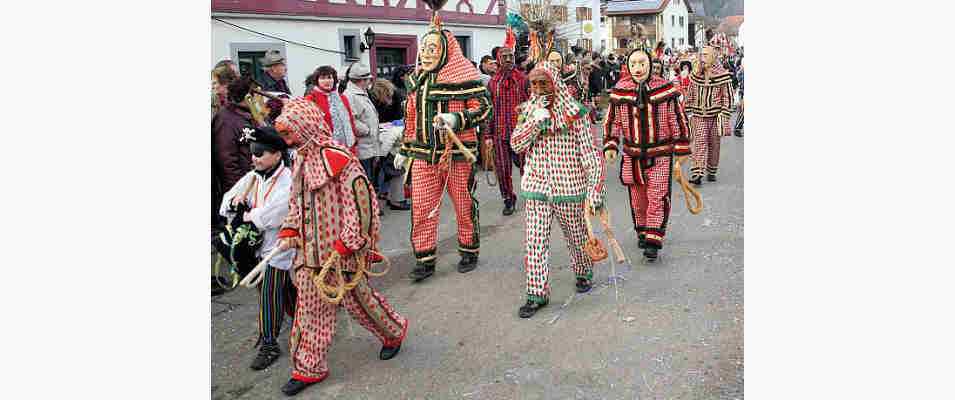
x,y
682,338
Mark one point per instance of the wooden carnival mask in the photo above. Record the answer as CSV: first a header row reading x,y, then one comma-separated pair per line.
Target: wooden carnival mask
x,y
639,65
541,84
709,56
432,51
556,59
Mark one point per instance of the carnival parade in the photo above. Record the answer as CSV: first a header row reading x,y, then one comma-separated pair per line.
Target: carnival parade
x,y
336,197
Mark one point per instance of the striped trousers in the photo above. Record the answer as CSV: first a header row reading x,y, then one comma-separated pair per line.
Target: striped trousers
x,y
650,203
272,294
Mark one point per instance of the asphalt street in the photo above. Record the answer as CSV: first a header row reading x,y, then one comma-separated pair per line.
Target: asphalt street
x,y
674,329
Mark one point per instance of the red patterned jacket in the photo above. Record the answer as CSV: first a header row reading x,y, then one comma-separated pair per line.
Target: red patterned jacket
x,y
643,134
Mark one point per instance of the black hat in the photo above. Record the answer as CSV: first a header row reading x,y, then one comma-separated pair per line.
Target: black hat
x,y
266,138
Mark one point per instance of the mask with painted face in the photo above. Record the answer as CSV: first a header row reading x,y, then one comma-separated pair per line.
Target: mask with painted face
x,y
639,65
555,58
432,52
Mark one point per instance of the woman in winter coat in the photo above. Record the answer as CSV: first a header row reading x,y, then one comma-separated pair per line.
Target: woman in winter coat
x,y
335,107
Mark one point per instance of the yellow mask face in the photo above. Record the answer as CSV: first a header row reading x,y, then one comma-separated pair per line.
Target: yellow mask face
x,y
639,65
709,56
555,59
431,51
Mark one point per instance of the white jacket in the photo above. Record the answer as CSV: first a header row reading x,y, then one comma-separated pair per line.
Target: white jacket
x,y
366,121
270,205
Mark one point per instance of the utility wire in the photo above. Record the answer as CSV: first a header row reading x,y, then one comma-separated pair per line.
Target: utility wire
x,y
278,38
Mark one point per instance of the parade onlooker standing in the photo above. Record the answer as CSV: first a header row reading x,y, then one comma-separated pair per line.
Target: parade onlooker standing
x,y
231,156
275,71
262,198
335,107
509,88
488,68
366,119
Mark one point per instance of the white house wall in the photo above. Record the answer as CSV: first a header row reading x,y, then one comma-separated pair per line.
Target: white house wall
x,y
676,8
301,61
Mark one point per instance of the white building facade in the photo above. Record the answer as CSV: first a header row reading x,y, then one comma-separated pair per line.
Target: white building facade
x,y
311,33
583,25
675,25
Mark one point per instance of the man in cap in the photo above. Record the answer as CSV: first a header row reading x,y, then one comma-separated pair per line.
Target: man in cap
x,y
366,119
444,94
275,71
262,198
508,89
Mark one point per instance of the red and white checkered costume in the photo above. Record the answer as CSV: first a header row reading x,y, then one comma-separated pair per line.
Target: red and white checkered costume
x,y
562,169
452,87
647,127
332,208
709,103
508,90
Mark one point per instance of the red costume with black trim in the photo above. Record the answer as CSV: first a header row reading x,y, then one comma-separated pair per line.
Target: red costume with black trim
x,y
332,208
452,88
647,126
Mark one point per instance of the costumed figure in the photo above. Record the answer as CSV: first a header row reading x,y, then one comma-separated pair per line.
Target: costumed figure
x,y
509,88
684,78
568,72
563,172
446,101
333,223
647,123
257,205
709,102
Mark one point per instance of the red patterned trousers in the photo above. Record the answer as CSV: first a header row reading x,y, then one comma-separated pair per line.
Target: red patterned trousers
x,y
503,157
705,146
650,203
315,321
539,216
427,191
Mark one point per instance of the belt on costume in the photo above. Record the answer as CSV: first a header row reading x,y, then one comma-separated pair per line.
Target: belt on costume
x,y
643,151
432,155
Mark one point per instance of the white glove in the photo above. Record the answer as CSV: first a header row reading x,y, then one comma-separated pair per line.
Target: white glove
x,y
400,161
447,118
540,114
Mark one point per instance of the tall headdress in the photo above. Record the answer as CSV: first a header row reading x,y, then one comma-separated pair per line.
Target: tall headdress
x,y
542,17
510,40
453,66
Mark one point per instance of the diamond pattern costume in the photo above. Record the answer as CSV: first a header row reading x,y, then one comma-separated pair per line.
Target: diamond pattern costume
x,y
648,127
452,89
562,169
332,209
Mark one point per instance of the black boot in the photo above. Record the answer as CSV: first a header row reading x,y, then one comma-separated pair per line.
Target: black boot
x,y
530,308
650,253
697,180
388,353
583,285
641,241
711,177
217,289
422,272
268,353
508,208
400,206
738,133
294,386
468,262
